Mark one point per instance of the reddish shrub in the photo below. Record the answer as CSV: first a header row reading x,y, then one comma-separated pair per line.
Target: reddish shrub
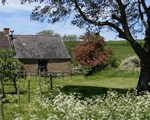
x,y
91,51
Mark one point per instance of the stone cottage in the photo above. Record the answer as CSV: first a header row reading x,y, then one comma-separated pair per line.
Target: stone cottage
x,y
36,51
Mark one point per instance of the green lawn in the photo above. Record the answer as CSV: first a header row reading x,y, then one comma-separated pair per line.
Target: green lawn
x,y
121,49
122,52
91,86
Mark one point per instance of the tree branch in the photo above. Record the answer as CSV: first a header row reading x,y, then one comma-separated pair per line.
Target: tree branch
x,y
141,15
121,33
115,17
142,54
144,5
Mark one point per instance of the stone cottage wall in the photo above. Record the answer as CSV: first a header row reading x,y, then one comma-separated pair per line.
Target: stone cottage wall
x,y
52,65
59,66
30,67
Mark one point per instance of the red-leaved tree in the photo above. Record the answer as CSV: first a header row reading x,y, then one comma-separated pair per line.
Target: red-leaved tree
x,y
91,51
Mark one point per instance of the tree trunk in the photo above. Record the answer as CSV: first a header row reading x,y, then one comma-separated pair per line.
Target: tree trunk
x,y
2,86
14,80
144,79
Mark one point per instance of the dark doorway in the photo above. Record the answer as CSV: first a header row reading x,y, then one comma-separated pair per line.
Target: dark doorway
x,y
42,64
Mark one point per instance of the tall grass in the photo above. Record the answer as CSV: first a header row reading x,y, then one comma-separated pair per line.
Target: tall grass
x,y
113,72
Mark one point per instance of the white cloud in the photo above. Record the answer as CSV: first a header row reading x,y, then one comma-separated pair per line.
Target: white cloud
x,y
15,6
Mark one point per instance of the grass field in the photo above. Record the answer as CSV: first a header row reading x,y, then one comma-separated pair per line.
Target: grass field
x,y
91,86
122,49
107,95
96,85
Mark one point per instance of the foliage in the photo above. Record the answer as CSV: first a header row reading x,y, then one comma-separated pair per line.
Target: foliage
x,y
70,42
91,52
9,67
91,36
67,38
92,70
112,63
48,32
79,70
131,63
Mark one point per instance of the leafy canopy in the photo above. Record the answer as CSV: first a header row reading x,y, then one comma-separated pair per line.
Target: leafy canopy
x,y
9,67
70,38
48,32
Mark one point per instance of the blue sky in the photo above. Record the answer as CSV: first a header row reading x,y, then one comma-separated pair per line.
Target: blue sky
x,y
17,17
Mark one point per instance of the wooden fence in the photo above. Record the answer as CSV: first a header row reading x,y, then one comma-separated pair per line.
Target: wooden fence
x,y
36,74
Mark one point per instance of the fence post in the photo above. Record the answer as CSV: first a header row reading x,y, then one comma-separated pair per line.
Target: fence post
x,y
40,82
35,76
62,76
51,82
71,76
44,77
18,100
28,91
48,81
1,105
25,74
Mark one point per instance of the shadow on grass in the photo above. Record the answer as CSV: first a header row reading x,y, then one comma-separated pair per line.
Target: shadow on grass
x,y
13,92
8,84
89,91
8,101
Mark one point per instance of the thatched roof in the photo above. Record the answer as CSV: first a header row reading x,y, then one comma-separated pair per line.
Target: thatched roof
x,y
39,47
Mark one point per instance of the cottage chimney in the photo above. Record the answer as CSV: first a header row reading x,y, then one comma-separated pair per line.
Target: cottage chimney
x,y
6,31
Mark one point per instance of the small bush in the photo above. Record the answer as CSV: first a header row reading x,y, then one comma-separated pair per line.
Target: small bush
x,y
112,63
76,70
79,70
130,64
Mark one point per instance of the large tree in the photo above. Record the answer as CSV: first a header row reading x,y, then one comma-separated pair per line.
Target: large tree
x,y
125,17
67,38
48,32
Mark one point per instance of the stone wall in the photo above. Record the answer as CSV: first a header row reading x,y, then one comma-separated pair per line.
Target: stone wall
x,y
52,65
30,67
59,66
